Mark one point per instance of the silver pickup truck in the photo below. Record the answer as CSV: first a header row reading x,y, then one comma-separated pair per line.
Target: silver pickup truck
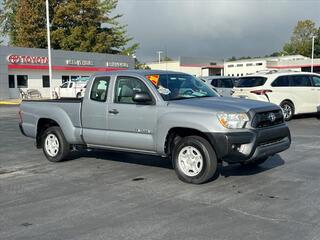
x,y
169,114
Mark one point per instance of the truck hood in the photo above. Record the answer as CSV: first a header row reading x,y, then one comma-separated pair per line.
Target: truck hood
x,y
223,104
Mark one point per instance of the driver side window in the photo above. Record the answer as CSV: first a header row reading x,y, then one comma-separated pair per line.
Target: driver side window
x,y
65,85
126,87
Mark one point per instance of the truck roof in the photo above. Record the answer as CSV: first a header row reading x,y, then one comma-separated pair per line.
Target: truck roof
x,y
139,72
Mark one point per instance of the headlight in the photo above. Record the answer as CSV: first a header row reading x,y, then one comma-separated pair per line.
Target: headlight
x,y
233,120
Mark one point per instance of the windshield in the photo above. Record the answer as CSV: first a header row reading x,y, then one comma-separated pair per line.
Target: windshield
x,y
251,82
180,86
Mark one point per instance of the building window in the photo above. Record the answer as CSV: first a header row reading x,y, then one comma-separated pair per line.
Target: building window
x,y
249,64
22,81
65,79
45,81
230,65
239,65
11,81
259,64
241,74
74,77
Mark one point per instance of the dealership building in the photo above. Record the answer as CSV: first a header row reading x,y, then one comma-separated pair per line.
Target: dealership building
x,y
27,68
249,66
193,65
210,66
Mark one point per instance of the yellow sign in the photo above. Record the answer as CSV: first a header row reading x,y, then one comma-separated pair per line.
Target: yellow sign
x,y
153,78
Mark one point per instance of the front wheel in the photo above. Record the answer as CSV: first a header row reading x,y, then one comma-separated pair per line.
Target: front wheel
x,y
55,146
194,160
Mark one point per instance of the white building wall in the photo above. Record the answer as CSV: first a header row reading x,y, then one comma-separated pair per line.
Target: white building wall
x,y
35,79
243,68
175,66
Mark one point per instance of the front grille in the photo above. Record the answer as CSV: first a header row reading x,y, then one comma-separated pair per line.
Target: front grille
x,y
267,119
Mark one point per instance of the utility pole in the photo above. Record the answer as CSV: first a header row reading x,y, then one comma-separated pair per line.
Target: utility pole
x,y
159,56
49,48
312,53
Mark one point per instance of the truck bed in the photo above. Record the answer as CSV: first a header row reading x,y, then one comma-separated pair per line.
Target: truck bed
x,y
60,100
70,107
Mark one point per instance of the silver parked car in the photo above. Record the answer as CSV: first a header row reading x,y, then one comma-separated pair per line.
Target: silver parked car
x,y
222,84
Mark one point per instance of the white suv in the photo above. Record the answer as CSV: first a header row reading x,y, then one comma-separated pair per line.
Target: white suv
x,y
294,92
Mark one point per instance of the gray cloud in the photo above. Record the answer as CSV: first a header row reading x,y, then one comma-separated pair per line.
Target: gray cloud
x,y
215,28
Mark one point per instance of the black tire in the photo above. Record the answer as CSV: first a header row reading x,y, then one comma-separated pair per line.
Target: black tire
x,y
255,162
64,146
287,105
209,159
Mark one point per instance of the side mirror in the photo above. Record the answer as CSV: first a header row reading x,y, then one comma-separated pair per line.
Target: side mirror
x,y
142,97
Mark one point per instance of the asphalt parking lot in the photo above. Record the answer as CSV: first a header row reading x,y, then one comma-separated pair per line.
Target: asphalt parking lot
x,y
107,195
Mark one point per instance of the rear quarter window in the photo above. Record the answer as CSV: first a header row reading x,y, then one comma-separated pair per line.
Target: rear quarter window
x,y
300,81
282,81
251,82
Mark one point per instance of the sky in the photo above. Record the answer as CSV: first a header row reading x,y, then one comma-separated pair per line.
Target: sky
x,y
213,28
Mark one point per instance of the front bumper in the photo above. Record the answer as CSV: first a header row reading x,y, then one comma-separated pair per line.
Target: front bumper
x,y
249,144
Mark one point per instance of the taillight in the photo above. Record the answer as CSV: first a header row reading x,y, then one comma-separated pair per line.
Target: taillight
x,y
261,92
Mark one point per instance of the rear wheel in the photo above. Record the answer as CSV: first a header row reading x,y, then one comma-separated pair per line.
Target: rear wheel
x,y
194,160
288,110
55,146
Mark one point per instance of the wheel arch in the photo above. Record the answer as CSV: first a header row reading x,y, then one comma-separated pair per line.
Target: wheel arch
x,y
42,125
176,133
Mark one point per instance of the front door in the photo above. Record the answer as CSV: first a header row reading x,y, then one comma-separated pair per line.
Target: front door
x,y
131,125
316,89
94,112
303,92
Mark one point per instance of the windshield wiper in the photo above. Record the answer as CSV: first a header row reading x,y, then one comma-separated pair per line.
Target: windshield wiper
x,y
179,98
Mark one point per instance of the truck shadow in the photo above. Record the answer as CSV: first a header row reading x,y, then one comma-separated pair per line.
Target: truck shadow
x,y
239,170
133,158
308,115
155,161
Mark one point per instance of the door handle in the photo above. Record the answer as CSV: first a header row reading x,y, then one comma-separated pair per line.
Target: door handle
x,y
114,111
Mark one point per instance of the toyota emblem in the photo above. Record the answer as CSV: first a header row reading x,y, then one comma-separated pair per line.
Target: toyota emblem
x,y
272,117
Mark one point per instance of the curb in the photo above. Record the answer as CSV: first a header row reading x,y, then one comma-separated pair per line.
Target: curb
x,y
9,103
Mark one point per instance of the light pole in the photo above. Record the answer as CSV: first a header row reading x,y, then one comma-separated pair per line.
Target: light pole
x,y
312,53
159,56
49,48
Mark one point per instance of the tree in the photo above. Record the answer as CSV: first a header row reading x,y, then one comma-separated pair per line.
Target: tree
x,y
300,41
167,59
139,65
7,15
233,58
76,25
30,25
